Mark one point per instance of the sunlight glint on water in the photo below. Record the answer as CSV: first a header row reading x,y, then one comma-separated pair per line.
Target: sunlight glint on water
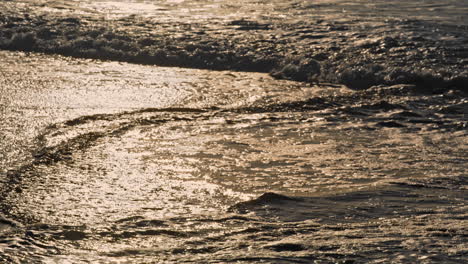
x,y
109,162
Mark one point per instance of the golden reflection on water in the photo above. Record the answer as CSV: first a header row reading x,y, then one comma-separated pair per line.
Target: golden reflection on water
x,y
118,177
195,11
141,155
131,180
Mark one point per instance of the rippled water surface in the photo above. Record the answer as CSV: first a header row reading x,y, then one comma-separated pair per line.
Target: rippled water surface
x,y
112,162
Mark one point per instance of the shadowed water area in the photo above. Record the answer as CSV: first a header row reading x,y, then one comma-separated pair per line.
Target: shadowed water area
x,y
283,132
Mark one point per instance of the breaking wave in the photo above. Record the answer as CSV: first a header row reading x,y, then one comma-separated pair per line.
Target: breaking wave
x,y
356,51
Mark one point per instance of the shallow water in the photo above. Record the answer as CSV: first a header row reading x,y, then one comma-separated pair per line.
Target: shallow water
x,y
160,174
111,162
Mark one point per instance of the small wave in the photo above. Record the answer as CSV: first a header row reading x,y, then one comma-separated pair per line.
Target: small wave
x,y
263,200
402,198
78,139
428,55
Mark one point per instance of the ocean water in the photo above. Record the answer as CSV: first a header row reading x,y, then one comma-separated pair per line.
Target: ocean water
x,y
233,132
